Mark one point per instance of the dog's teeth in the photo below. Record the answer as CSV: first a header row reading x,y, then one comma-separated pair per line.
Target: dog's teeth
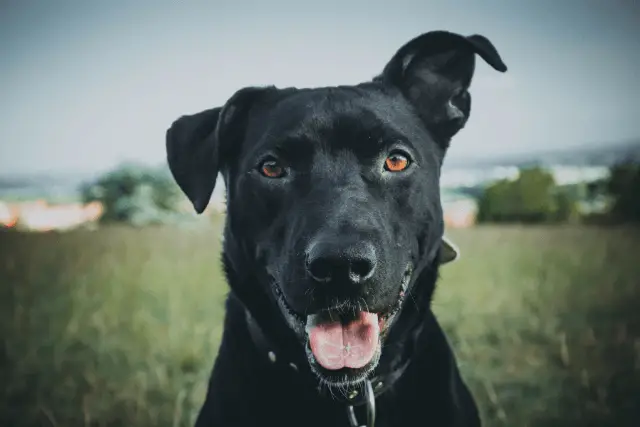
x,y
312,320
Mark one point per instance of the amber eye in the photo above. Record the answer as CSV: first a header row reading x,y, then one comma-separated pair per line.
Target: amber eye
x,y
396,162
272,169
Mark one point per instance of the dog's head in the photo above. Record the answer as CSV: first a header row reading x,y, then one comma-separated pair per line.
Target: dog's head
x,y
333,193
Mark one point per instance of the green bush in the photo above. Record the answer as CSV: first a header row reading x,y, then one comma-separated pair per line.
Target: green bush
x,y
531,198
624,187
135,195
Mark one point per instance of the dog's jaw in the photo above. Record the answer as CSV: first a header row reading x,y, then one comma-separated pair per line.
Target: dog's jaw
x,y
295,321
344,377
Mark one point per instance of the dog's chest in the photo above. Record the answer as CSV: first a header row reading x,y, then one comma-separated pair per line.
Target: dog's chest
x,y
290,406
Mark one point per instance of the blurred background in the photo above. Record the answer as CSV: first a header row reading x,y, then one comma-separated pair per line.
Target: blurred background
x,y
111,289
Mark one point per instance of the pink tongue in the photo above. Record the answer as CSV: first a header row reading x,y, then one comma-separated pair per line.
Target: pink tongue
x,y
335,345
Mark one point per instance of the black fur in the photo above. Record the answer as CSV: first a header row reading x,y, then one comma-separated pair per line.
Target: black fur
x,y
335,229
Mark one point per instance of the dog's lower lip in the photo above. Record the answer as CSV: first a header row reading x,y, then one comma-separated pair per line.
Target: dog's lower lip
x,y
280,295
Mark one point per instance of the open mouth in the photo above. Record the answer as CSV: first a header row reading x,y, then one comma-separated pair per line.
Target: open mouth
x,y
344,349
344,342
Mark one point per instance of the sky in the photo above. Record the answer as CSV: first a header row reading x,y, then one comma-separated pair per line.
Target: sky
x,y
86,85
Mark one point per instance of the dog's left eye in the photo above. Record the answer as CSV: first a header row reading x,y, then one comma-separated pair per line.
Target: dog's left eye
x,y
272,169
396,162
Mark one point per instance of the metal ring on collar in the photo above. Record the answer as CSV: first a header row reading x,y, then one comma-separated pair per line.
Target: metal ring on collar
x,y
370,401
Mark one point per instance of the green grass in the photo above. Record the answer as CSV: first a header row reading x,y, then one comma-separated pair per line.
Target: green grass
x,y
119,327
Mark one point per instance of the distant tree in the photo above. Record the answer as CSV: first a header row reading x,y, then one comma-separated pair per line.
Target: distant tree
x,y
134,194
566,207
624,187
494,205
531,198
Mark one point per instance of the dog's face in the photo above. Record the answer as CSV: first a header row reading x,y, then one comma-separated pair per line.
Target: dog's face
x,y
333,193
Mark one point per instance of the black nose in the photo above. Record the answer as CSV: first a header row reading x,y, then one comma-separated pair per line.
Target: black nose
x,y
339,262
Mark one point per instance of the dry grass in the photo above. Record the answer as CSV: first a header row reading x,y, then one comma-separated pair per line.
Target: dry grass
x,y
119,327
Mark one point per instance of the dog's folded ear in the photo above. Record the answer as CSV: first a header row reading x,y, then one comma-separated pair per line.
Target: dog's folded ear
x,y
448,251
434,71
199,145
192,154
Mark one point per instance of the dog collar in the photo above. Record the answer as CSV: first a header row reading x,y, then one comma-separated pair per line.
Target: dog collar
x,y
363,394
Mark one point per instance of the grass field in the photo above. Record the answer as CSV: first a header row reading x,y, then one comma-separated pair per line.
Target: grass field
x,y
119,327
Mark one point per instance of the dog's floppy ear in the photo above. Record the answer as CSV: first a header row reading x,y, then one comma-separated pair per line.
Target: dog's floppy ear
x,y
192,154
199,145
434,71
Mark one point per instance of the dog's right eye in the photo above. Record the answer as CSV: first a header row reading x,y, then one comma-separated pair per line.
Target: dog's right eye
x,y
272,169
397,162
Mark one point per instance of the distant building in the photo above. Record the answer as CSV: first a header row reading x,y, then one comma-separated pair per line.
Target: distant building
x,y
460,211
563,175
38,215
568,175
472,177
8,217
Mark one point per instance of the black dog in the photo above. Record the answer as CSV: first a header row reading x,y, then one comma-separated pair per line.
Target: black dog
x,y
332,243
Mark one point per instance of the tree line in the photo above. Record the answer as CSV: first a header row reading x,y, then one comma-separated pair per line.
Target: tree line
x,y
140,195
535,197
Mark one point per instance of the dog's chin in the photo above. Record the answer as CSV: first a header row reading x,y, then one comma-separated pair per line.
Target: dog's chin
x,y
337,375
